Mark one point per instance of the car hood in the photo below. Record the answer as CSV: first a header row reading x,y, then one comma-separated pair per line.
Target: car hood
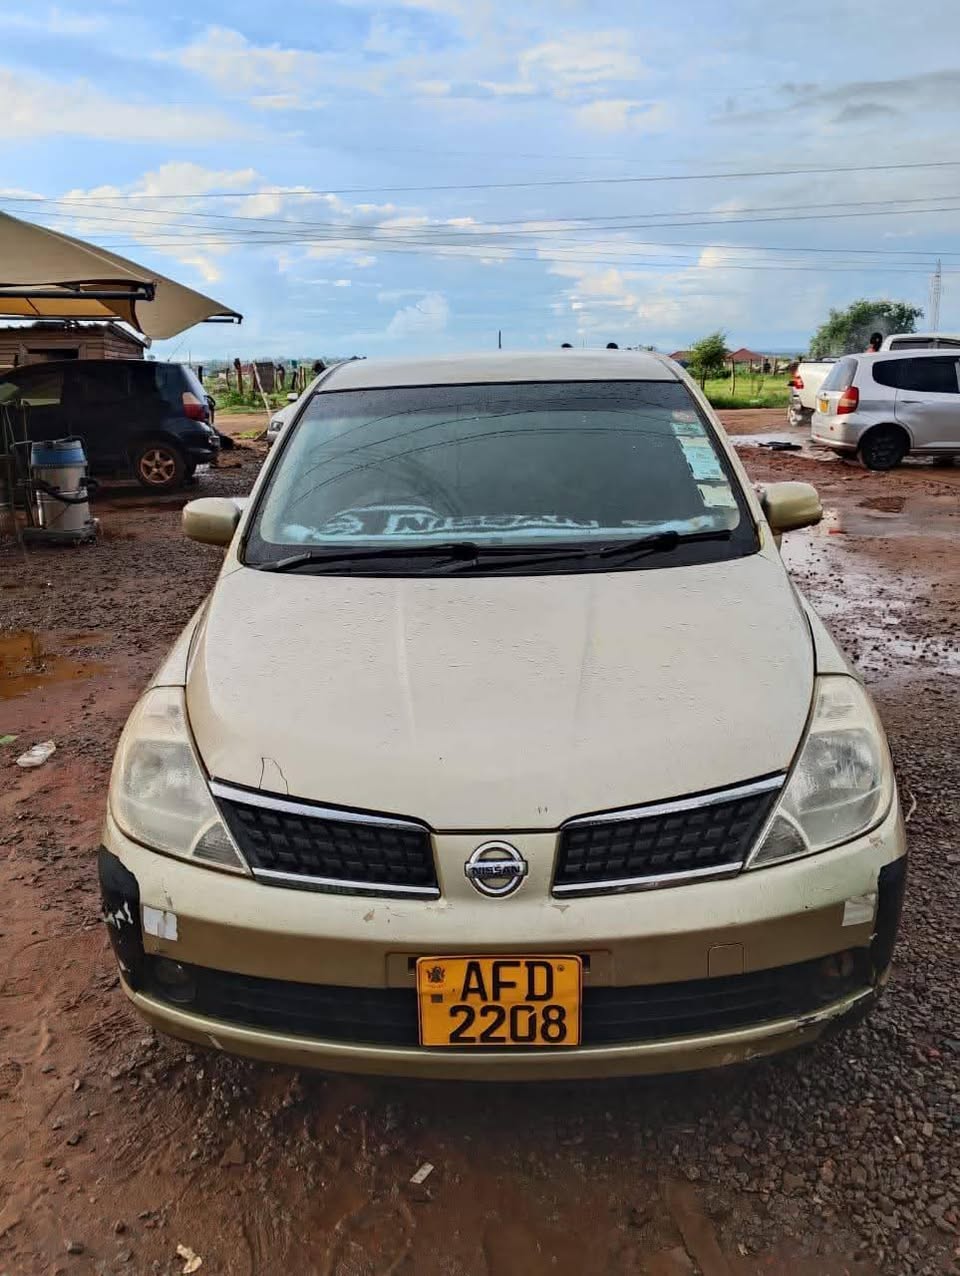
x,y
501,703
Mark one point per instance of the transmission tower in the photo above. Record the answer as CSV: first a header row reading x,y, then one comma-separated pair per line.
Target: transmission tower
x,y
936,283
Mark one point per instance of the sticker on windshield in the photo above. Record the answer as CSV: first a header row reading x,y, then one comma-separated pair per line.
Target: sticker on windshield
x,y
717,496
702,460
686,424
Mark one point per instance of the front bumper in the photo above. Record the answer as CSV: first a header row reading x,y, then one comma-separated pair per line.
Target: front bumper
x,y
691,937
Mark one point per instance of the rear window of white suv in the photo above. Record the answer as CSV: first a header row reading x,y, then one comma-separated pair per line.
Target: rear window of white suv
x,y
840,376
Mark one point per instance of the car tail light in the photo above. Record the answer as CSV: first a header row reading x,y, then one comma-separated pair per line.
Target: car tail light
x,y
797,382
849,401
193,409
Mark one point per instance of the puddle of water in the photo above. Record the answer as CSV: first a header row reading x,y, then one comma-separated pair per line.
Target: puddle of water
x,y
26,666
904,516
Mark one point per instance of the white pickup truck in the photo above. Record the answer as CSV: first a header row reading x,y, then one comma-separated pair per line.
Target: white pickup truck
x,y
804,384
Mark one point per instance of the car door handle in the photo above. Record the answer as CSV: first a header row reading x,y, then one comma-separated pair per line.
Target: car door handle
x,y
911,400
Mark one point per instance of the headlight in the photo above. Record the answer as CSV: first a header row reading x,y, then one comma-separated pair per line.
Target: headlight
x,y
842,783
158,792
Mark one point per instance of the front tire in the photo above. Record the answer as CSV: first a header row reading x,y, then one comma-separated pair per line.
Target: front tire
x,y
159,466
884,448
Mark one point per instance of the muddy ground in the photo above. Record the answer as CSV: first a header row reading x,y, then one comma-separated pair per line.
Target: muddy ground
x,y
117,1146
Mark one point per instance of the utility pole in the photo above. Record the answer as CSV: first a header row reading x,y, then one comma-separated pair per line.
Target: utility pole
x,y
936,284
499,339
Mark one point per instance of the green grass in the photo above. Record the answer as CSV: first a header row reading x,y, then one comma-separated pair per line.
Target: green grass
x,y
250,401
751,392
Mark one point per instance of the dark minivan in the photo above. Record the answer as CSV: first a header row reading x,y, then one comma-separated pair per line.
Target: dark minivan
x,y
145,419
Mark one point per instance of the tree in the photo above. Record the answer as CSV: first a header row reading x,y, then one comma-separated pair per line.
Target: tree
x,y
847,331
708,355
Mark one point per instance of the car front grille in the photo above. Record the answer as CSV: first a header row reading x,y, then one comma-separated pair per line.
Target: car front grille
x,y
294,844
611,1016
663,844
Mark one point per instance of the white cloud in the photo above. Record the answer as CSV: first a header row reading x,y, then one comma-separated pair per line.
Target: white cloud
x,y
507,88
616,115
273,76
52,22
342,283
203,265
31,106
228,57
428,316
145,222
582,60
285,102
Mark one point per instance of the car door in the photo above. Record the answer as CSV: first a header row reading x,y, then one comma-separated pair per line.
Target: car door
x,y
928,402
99,398
40,391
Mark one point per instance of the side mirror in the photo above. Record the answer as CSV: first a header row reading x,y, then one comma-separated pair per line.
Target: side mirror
x,y
212,520
790,505
292,398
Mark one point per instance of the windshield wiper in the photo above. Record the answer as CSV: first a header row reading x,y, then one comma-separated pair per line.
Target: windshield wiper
x,y
458,551
632,548
467,556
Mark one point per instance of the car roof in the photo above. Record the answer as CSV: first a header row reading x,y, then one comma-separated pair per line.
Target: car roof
x,y
497,366
921,336
922,352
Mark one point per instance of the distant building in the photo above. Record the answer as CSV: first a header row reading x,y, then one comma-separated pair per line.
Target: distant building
x,y
45,340
743,355
681,356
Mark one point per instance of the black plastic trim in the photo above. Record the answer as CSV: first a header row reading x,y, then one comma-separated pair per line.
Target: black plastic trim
x,y
120,893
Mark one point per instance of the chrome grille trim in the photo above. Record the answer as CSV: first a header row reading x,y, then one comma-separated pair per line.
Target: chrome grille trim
x,y
292,807
680,804
655,810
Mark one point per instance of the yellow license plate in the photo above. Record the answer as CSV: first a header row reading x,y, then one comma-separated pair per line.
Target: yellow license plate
x,y
499,1001
824,405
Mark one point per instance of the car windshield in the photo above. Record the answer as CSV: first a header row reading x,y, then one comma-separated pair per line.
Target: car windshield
x,y
501,467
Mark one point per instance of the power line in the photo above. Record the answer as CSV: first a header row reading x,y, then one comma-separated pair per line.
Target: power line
x,y
522,225
474,252
540,182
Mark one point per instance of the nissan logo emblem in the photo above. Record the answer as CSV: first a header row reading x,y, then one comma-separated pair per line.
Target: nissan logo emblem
x,y
496,869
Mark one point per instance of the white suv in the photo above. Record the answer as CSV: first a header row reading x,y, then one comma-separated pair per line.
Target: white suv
x,y
884,406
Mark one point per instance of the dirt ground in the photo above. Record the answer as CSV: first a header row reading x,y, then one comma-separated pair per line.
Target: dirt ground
x,y
117,1146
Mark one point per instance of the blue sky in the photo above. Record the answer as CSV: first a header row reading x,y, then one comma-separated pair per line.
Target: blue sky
x,y
395,178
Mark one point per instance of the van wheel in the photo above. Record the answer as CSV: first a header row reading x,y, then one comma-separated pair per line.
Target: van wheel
x,y
884,448
159,466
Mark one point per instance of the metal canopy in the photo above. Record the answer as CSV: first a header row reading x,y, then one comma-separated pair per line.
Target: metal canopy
x,y
47,275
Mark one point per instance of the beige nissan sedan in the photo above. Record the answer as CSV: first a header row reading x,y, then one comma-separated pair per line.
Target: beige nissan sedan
x,y
504,746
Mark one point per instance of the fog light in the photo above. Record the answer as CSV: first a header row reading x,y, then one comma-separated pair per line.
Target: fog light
x,y
176,982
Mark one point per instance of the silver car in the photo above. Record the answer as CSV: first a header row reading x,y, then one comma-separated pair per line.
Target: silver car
x,y
884,406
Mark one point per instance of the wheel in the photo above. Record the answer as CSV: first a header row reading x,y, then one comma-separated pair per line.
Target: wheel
x,y
159,466
884,447
796,415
